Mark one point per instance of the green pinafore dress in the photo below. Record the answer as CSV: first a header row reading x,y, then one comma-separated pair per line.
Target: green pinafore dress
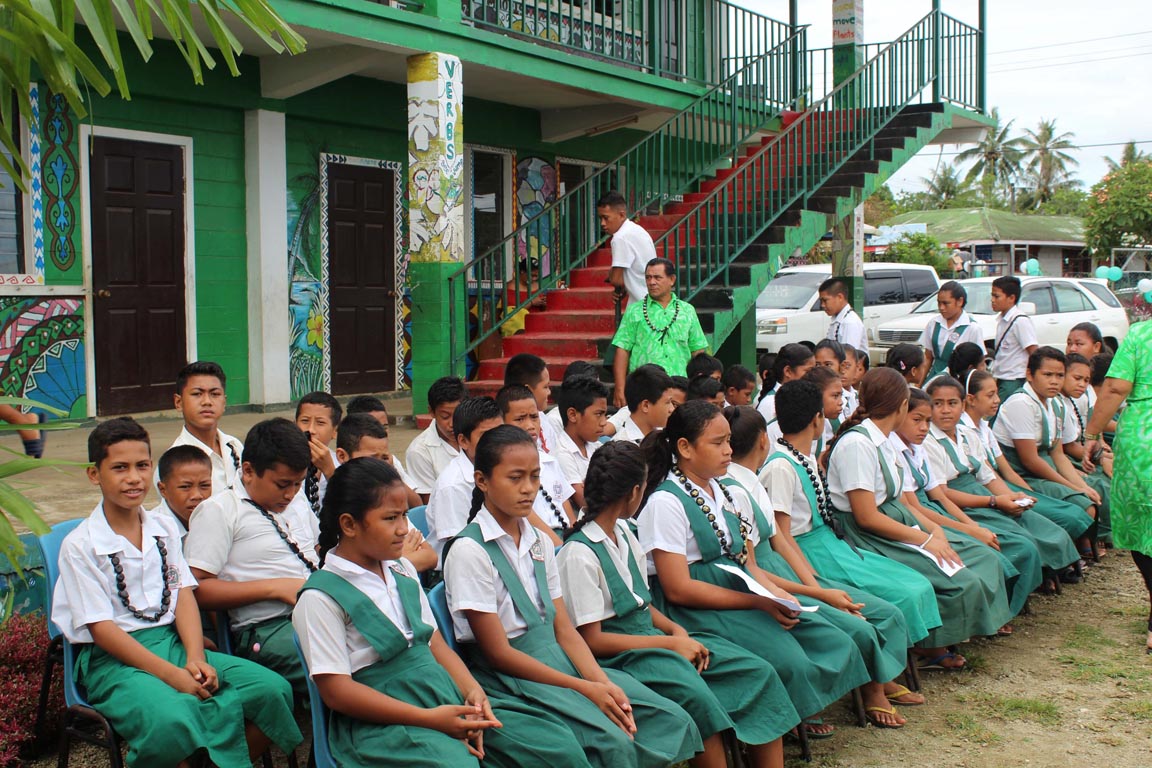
x,y
665,733
885,653
941,355
1096,479
738,690
817,663
971,603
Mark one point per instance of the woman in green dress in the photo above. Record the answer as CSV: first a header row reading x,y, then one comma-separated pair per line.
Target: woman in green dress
x,y
866,481
603,573
1129,378
503,590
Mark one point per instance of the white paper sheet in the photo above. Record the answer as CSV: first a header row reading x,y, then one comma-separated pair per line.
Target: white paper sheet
x,y
949,569
757,588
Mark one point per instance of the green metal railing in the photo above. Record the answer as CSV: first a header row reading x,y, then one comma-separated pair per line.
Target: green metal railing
x,y
933,61
688,41
710,132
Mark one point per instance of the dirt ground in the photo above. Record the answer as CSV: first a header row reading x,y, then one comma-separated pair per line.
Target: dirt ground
x,y
1071,687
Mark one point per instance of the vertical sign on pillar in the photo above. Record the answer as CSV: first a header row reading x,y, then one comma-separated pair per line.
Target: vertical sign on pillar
x,y
435,159
858,241
847,38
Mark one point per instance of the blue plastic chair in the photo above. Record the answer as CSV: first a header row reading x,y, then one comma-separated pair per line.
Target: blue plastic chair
x,y
438,601
418,517
321,754
78,708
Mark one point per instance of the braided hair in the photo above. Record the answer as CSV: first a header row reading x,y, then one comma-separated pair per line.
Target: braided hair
x,y
905,358
613,471
489,450
356,487
687,422
882,392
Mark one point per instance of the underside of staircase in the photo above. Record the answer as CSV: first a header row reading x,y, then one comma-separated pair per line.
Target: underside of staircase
x,y
579,320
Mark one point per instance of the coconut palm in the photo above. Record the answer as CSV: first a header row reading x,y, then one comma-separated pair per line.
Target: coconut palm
x,y
995,160
1129,156
946,189
1047,159
44,36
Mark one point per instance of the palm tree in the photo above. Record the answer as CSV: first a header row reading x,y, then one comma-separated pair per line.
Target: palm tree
x,y
997,159
1047,158
946,189
44,36
1129,156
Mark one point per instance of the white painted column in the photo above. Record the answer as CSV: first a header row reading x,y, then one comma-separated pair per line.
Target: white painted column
x,y
266,195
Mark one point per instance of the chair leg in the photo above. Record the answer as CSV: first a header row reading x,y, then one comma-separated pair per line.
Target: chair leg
x,y
112,742
805,747
53,657
912,673
65,750
858,707
732,747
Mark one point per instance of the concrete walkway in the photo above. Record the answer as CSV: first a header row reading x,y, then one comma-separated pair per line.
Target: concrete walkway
x,y
62,493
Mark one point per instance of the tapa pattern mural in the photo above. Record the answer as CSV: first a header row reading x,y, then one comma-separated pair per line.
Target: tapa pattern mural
x,y
42,350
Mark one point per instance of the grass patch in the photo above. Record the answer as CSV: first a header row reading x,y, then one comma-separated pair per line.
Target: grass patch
x,y
969,728
1134,710
1093,670
1020,708
1087,637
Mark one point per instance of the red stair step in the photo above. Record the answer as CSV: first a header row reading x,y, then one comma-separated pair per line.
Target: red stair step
x,y
581,298
492,369
601,257
587,322
588,277
549,345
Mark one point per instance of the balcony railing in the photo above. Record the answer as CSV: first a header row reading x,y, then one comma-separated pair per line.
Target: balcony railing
x,y
702,42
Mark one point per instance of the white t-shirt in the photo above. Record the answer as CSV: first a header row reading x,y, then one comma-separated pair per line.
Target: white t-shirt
x,y
1013,337
574,463
86,591
585,587
229,537
786,493
450,502
632,249
967,448
428,455
663,522
1022,417
331,643
847,328
949,333
224,468
471,582
855,466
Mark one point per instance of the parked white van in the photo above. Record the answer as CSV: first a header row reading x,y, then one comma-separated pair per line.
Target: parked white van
x,y
788,310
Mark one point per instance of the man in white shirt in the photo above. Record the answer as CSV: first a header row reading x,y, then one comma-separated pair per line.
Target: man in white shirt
x,y
251,548
632,247
846,326
201,400
1015,337
435,448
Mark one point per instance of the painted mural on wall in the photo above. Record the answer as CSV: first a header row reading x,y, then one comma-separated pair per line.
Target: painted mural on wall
x,y
306,355
60,180
435,158
42,351
536,189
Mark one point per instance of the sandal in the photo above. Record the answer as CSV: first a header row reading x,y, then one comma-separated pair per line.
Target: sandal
x,y
1005,631
817,729
871,714
902,691
937,663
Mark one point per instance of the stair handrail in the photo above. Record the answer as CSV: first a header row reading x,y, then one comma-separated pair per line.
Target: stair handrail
x,y
777,79
847,124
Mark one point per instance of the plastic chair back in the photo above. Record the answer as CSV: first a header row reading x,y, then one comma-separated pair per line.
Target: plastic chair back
x,y
418,518
319,712
50,544
438,601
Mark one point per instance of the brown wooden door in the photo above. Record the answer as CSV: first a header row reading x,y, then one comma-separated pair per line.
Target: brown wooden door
x,y
138,276
362,278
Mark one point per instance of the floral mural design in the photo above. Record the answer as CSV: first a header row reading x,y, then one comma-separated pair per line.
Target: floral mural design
x,y
42,349
306,354
435,159
536,189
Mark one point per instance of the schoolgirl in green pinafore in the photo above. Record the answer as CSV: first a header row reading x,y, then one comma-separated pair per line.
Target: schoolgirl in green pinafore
x,y
502,589
1072,431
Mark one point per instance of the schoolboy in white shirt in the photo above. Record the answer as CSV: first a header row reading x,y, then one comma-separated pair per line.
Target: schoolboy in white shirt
x,y
632,247
648,392
434,449
201,399
318,416
584,407
532,372
552,510
846,326
185,481
1015,337
251,548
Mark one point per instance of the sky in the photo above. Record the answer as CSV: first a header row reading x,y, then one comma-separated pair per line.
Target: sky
x,y
1095,88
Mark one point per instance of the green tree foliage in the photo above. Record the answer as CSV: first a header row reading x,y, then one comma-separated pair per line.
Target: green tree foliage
x,y
995,160
1048,160
1067,201
1120,209
918,248
947,189
1128,156
43,36
880,207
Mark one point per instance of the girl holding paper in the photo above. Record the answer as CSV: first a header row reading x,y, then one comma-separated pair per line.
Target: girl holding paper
x,y
701,538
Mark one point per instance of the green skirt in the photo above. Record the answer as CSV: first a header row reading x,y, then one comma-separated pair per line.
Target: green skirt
x,y
816,661
163,726
1102,484
665,733
269,644
1073,515
891,582
1132,479
885,655
972,602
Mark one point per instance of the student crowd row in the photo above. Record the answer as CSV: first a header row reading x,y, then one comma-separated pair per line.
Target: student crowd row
x,y
847,519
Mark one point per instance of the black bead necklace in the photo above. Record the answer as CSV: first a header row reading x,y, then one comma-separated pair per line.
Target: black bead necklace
x,y
819,484
663,332
312,489
564,527
740,557
292,545
1079,420
235,456
122,585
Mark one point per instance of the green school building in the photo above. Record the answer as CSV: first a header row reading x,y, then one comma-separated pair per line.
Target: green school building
x,y
352,218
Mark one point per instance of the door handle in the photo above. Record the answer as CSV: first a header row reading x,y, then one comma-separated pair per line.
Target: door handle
x,y
391,294
104,293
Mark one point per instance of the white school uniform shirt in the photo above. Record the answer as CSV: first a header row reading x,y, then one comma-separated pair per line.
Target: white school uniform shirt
x,y
847,328
629,432
450,502
86,591
619,418
428,455
471,582
574,463
228,536
756,491
767,405
855,466
301,499
948,333
553,415
549,435
663,522
781,483
224,468
1072,426
772,429
582,580
914,456
849,403
164,510
632,249
1022,416
404,476
967,446
1013,337
552,480
331,643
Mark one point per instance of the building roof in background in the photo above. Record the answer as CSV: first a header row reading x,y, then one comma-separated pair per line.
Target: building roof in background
x,y
988,225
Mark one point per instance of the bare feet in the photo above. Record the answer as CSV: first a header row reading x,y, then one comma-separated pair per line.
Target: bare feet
x,y
899,694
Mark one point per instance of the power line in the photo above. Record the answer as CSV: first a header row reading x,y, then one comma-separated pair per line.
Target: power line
x,y
1071,42
1082,146
1042,59
1069,63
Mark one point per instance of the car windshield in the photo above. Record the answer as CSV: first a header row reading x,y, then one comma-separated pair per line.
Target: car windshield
x,y
791,290
979,301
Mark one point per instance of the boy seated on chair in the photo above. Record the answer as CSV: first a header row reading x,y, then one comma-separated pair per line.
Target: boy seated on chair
x,y
200,398
251,548
125,600
318,416
185,474
360,436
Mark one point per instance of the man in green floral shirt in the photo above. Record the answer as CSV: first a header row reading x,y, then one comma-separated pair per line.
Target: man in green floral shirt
x,y
661,329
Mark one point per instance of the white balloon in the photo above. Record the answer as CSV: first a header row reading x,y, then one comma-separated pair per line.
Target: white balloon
x,y
1145,285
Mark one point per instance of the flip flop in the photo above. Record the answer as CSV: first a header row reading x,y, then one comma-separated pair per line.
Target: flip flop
x,y
1005,631
815,721
877,722
934,663
900,692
